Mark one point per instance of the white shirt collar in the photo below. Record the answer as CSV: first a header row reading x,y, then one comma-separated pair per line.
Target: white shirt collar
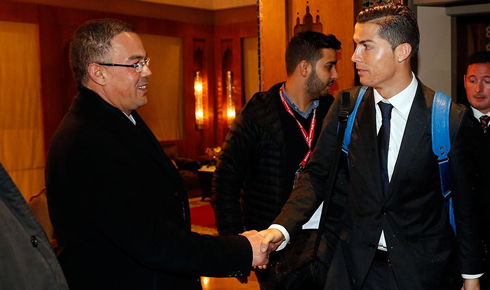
x,y
130,118
402,102
477,113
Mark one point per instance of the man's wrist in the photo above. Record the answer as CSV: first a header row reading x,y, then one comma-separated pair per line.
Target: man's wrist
x,y
284,233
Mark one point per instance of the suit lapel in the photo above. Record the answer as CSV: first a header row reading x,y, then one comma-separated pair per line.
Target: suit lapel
x,y
141,137
418,120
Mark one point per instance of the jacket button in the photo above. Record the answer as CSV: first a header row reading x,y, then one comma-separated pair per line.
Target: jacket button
x,y
34,241
384,211
372,246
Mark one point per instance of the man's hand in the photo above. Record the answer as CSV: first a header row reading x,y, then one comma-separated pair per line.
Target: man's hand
x,y
260,257
471,284
272,239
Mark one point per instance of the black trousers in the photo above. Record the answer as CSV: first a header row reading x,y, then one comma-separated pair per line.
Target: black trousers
x,y
380,275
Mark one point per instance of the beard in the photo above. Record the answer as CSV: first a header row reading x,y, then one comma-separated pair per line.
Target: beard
x,y
315,88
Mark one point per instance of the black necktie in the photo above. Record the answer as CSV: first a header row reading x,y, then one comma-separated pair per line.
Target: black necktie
x,y
384,142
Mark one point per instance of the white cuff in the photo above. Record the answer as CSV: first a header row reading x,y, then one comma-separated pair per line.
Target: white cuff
x,y
471,276
284,233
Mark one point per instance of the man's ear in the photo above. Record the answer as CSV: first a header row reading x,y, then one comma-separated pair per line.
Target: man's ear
x,y
304,68
97,74
402,52
464,81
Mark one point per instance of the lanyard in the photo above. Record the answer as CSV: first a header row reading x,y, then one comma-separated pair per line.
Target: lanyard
x,y
308,137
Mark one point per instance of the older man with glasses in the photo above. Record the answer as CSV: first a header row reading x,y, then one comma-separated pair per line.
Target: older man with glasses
x,y
117,204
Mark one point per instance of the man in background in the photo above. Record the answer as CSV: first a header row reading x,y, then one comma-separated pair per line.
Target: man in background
x,y
273,137
118,205
396,232
477,85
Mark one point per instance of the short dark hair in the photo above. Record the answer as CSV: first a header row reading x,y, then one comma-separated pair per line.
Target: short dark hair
x,y
308,45
479,57
91,44
397,24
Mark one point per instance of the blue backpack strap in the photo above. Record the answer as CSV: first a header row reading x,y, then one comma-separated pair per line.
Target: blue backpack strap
x,y
350,121
441,145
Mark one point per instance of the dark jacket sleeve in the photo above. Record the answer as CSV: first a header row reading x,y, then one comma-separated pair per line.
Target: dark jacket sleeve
x,y
308,191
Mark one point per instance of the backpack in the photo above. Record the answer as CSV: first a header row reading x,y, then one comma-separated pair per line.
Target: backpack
x,y
441,145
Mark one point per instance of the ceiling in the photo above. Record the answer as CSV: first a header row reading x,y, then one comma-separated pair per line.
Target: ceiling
x,y
206,4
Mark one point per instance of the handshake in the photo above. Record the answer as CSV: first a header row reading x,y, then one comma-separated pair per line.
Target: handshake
x,y
263,243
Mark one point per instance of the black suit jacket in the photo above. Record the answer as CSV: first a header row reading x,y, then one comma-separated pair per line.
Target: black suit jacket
x,y
481,161
424,251
120,209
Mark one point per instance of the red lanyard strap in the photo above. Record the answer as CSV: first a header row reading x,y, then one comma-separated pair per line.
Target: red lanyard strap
x,y
308,137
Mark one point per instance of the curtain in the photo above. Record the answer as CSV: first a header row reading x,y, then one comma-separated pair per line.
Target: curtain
x,y
21,126
164,113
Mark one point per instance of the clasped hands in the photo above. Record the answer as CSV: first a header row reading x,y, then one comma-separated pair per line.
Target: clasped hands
x,y
263,243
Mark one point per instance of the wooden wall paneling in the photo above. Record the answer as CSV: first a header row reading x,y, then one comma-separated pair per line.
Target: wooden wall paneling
x,y
229,36
226,59
51,69
210,94
273,42
217,88
68,86
237,73
196,141
19,12
189,118
75,17
235,15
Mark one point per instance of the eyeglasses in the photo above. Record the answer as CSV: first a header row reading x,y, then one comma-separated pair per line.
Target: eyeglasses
x,y
138,66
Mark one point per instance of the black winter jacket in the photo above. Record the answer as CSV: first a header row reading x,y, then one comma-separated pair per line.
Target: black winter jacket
x,y
252,166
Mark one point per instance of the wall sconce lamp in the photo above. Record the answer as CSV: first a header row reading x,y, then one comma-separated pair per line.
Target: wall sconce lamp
x,y
198,99
230,104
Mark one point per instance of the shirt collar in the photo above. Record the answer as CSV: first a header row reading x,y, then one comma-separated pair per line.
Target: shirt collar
x,y
130,118
402,102
306,114
477,113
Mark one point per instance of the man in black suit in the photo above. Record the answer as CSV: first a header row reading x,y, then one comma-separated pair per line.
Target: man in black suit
x,y
117,204
396,233
477,85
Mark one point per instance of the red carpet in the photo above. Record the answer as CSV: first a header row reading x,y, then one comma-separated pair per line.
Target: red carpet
x,y
202,216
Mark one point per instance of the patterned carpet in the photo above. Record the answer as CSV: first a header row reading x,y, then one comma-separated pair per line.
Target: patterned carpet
x,y
202,217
